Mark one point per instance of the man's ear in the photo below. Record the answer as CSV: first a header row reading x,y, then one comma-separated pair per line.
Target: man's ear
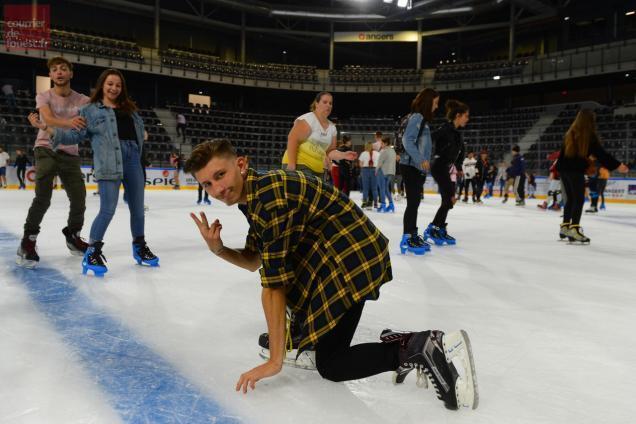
x,y
241,162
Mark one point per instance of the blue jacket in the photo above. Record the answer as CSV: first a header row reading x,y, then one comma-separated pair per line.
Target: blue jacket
x,y
416,151
517,166
101,130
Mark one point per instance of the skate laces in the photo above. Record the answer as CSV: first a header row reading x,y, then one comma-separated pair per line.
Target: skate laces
x,y
144,251
96,257
289,343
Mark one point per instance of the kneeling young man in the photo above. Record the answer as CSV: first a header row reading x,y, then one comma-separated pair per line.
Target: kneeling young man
x,y
319,254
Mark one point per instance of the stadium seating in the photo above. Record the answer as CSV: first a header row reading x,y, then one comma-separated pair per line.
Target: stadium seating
x,y
209,64
359,75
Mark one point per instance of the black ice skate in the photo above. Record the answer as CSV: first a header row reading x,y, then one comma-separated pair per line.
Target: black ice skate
x,y
76,245
445,359
293,336
575,235
27,255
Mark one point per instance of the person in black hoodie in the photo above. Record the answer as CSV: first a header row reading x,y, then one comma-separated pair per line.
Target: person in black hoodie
x,y
581,142
448,158
518,172
21,162
482,170
344,165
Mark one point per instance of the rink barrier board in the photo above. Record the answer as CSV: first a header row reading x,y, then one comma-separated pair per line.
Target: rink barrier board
x,y
618,190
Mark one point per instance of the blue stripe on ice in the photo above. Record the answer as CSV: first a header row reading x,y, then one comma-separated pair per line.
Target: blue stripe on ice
x,y
141,386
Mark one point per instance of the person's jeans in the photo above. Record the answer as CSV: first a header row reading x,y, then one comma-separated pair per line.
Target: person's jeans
x,y
109,194
385,182
369,182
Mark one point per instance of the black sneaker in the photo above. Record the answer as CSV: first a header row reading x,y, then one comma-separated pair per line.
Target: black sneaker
x,y
445,359
76,245
27,255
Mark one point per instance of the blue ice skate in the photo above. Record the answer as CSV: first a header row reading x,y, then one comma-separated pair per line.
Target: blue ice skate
x,y
142,253
413,243
94,260
434,233
207,202
381,208
390,208
448,239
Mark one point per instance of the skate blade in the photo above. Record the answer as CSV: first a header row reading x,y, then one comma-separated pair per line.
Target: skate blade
x,y
458,350
25,263
306,360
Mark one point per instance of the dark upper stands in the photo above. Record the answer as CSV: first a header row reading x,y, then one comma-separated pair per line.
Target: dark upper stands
x,y
482,70
353,74
206,63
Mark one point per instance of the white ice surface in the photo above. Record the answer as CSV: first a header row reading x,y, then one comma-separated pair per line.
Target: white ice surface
x,y
552,325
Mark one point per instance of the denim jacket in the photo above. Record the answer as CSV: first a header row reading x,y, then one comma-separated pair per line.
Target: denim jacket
x,y
416,151
101,130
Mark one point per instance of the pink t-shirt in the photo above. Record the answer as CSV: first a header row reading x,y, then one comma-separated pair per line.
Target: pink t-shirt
x,y
62,108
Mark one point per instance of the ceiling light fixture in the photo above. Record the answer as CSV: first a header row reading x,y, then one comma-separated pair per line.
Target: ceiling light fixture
x,y
455,10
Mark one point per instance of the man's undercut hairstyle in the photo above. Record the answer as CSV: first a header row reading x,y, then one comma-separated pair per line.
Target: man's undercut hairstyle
x,y
58,60
208,150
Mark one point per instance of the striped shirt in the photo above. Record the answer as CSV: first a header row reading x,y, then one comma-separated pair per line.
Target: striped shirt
x,y
317,244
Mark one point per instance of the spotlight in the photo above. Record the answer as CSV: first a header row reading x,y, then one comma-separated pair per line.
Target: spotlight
x,y
496,77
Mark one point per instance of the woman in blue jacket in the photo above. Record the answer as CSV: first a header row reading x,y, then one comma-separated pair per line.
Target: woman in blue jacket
x,y
116,133
414,163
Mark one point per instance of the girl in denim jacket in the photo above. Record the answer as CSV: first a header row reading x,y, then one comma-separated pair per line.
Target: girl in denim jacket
x,y
414,163
116,133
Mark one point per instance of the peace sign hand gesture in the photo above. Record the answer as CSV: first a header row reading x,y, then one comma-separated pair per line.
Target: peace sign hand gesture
x,y
210,233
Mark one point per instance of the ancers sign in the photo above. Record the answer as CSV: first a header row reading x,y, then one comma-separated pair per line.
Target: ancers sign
x,y
375,37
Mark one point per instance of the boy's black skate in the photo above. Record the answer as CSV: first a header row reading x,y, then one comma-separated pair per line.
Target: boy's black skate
x,y
27,255
447,361
74,242
575,235
306,359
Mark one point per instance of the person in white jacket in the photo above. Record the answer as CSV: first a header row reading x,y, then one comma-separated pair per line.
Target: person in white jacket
x,y
469,168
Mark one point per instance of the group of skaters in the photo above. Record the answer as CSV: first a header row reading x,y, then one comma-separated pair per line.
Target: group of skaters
x,y
109,120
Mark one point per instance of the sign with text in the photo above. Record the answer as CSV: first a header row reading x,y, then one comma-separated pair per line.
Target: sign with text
x,y
375,37
27,27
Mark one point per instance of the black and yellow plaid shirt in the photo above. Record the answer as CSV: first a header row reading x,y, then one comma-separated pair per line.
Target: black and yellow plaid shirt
x,y
317,243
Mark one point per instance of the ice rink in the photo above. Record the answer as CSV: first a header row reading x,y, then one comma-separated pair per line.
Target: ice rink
x,y
551,324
